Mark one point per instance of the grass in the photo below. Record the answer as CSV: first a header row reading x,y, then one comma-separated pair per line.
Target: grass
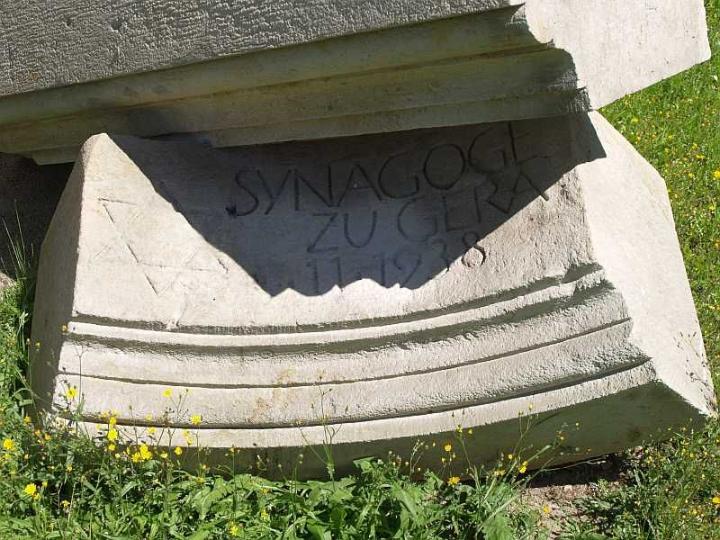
x,y
56,484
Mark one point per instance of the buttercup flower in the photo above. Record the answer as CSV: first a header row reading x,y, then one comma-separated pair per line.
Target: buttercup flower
x,y
167,392
112,435
71,393
453,480
523,467
145,453
195,419
178,451
448,447
9,445
30,490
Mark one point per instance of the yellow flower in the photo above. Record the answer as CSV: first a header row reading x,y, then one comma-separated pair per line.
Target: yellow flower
x,y
145,452
167,392
178,451
523,467
9,445
716,175
546,509
112,421
716,500
71,393
65,503
151,431
136,457
233,529
27,420
164,455
510,456
447,447
47,437
453,480
264,515
195,419
69,468
111,447
30,490
112,435
44,483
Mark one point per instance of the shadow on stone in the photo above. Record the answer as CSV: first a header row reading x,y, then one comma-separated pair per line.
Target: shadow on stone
x,y
28,197
398,209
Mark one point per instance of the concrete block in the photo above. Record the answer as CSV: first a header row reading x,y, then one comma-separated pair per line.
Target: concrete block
x,y
376,289
264,71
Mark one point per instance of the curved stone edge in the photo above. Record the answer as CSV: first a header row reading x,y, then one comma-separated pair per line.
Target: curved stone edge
x,y
632,407
589,299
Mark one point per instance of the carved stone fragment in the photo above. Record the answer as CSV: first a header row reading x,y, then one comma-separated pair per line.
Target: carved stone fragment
x,y
374,290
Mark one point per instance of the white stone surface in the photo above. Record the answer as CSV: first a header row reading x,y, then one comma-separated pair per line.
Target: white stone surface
x,y
262,71
380,289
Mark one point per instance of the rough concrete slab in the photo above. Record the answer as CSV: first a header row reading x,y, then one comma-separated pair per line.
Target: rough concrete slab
x,y
254,72
379,288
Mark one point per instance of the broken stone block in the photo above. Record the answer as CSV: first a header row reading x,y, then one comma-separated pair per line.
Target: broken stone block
x,y
372,291
267,71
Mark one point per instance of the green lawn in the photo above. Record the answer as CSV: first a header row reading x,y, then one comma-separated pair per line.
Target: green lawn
x,y
55,484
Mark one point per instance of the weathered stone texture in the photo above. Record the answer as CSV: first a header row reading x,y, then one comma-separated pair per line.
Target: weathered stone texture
x,y
254,72
384,288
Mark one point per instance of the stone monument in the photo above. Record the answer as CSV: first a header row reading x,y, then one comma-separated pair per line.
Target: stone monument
x,y
430,228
